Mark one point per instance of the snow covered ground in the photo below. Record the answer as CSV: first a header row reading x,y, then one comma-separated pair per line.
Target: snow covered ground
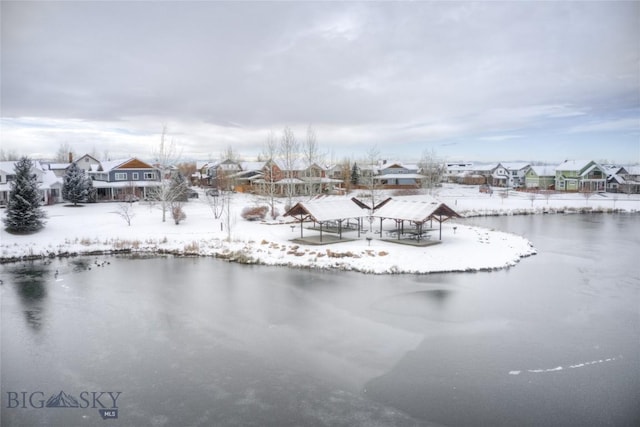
x,y
96,228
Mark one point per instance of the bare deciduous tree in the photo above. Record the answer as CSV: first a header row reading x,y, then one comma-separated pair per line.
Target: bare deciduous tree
x,y
368,179
289,152
215,202
64,152
8,156
269,188
432,169
311,157
125,211
345,173
165,155
586,192
228,218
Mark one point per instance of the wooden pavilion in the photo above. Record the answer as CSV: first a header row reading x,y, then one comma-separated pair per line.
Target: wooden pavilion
x,y
328,214
417,213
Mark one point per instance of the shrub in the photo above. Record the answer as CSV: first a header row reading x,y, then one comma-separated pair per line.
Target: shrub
x,y
254,213
178,214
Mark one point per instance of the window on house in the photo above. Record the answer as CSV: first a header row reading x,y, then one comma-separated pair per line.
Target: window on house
x,y
135,176
149,175
121,176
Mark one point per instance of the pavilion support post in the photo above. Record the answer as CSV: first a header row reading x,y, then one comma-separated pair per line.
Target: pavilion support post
x,y
380,227
301,220
340,229
440,238
320,232
359,226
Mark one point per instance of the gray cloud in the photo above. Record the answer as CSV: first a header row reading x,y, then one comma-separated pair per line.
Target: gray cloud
x,y
372,72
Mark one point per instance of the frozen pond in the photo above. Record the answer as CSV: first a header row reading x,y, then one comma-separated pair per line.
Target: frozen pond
x,y
197,341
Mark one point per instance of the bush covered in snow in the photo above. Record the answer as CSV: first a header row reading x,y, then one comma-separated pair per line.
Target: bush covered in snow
x,y
254,213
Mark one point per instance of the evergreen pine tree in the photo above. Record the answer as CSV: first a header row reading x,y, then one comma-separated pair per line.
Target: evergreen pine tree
x,y
355,175
24,213
92,192
75,187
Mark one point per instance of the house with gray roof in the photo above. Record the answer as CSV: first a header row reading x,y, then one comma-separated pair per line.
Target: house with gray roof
x,y
580,175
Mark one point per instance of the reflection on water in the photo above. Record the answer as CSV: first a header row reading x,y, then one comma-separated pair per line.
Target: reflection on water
x,y
430,303
29,279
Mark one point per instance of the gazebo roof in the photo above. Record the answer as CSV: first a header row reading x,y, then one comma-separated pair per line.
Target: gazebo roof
x,y
414,210
322,210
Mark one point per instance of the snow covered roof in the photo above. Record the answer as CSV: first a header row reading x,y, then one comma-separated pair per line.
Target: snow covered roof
x,y
633,170
49,179
323,210
414,210
297,164
8,167
514,166
573,165
455,168
400,176
544,170
485,168
252,166
290,181
113,164
245,174
58,166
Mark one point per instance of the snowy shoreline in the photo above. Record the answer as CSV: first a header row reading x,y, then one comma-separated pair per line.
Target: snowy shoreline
x,y
97,230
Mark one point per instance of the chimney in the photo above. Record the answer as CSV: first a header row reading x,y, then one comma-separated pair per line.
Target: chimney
x,y
70,157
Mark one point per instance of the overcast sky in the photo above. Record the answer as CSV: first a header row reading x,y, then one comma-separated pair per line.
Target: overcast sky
x,y
481,81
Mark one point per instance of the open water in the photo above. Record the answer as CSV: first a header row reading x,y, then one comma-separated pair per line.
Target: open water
x,y
554,341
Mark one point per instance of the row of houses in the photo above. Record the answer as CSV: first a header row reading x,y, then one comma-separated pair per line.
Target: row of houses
x,y
570,176
305,177
112,180
115,180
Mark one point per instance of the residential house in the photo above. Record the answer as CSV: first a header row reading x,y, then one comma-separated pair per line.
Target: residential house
x,y
49,185
218,173
123,179
337,171
623,179
615,177
632,180
201,176
515,173
455,172
87,162
399,175
241,180
540,177
580,175
470,174
58,169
